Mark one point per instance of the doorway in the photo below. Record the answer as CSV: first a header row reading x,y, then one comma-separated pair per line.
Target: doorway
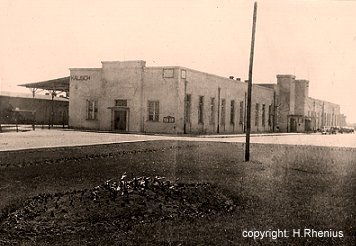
x,y
293,125
308,125
120,120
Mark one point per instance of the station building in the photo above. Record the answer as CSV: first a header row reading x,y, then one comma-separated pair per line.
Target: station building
x,y
129,96
297,112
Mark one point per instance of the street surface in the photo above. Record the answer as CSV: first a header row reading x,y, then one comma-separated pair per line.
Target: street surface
x,y
42,138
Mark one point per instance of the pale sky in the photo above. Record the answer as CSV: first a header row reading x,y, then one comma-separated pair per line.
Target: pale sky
x,y
314,40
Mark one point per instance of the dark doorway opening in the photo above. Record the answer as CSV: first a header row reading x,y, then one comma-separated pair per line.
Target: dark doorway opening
x,y
308,125
120,120
293,125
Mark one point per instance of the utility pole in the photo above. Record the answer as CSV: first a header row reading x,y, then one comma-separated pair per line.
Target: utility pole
x,y
274,111
218,127
249,87
185,106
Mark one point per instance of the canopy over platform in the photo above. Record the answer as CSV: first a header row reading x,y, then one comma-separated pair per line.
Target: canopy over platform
x,y
60,84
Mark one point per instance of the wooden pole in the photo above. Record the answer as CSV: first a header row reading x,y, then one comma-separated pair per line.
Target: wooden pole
x,y
249,87
185,107
218,129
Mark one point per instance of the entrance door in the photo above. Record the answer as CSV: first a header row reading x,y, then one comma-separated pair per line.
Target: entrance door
x,y
293,125
307,125
120,120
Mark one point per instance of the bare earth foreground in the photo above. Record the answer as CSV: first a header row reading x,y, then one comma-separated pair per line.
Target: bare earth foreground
x,y
58,196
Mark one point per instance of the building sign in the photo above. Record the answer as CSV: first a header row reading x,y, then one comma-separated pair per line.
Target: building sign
x,y
168,73
80,78
183,74
169,119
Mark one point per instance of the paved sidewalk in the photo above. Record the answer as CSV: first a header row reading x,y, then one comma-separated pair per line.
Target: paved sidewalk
x,y
44,138
253,135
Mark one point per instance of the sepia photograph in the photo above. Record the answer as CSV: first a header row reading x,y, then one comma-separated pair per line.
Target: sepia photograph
x,y
177,122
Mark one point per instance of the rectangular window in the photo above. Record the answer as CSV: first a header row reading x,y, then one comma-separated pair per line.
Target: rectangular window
x,y
121,102
257,114
232,112
263,114
188,104
153,110
327,118
201,110
212,110
269,115
241,112
223,111
92,109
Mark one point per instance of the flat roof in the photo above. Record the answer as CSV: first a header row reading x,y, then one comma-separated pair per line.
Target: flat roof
x,y
59,84
30,96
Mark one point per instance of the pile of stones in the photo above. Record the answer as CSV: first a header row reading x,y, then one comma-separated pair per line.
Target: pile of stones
x,y
116,204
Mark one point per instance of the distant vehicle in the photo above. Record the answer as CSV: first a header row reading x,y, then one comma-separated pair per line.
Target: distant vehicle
x,y
347,129
334,130
325,130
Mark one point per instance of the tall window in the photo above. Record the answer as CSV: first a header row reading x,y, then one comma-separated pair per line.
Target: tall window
x,y
319,119
269,115
263,114
327,119
201,110
153,110
257,114
212,110
223,111
92,110
188,104
241,112
232,112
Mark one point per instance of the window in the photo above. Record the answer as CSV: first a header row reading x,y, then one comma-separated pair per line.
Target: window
x,y
241,112
153,110
121,102
188,103
269,115
201,110
212,110
232,112
257,113
263,114
92,109
223,111
168,73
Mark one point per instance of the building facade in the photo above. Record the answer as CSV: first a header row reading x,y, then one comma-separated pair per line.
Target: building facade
x,y
131,97
297,112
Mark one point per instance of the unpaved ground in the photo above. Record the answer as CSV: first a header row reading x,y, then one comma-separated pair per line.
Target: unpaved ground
x,y
283,187
115,207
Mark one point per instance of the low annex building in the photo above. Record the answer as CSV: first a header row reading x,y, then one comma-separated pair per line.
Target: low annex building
x,y
26,109
128,96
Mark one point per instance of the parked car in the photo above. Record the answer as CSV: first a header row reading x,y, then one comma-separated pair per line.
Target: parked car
x,y
334,130
325,130
346,129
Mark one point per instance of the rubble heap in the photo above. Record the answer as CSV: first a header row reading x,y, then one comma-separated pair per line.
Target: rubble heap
x,y
118,204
